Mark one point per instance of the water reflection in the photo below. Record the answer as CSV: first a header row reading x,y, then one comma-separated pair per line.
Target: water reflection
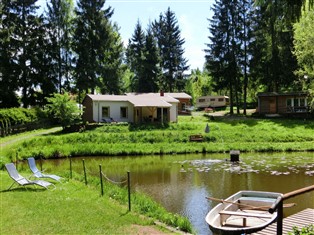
x,y
181,183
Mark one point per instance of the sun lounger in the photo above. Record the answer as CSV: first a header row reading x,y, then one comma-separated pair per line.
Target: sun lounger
x,y
37,173
22,181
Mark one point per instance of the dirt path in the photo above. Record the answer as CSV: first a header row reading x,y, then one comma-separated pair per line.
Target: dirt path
x,y
20,138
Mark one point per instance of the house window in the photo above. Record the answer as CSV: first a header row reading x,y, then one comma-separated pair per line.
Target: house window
x,y
105,112
124,112
212,99
201,100
293,102
296,105
183,106
221,99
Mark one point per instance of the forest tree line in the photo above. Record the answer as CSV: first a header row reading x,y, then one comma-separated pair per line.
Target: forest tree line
x,y
252,46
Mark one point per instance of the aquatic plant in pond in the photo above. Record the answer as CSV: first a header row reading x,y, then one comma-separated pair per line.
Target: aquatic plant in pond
x,y
277,165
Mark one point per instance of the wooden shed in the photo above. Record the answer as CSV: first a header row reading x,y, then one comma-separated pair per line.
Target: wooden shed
x,y
184,101
283,103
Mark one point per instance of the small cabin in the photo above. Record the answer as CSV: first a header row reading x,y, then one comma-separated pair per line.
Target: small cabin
x,y
132,108
283,103
184,102
212,101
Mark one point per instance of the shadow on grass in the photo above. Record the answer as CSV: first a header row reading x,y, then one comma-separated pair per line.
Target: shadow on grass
x,y
23,189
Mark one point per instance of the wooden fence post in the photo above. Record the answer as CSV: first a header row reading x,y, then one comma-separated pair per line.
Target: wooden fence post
x,y
101,183
70,167
16,157
84,168
129,191
41,161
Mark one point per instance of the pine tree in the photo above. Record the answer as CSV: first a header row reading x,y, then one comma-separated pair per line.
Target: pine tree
x,y
8,84
113,70
91,42
170,44
222,56
246,17
151,63
135,57
24,48
143,59
59,17
277,17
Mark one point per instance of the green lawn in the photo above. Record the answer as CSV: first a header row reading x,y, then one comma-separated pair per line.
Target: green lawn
x,y
72,208
75,208
226,133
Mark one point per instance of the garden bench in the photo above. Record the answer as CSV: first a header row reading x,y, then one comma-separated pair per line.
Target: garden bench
x,y
196,138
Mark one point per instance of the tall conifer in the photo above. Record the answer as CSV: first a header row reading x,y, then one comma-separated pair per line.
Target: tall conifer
x,y
170,44
91,42
23,49
59,18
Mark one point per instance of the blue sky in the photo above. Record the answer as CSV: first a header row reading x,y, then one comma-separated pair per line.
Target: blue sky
x,y
192,18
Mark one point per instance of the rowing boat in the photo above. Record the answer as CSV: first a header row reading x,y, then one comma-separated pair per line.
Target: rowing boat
x,y
242,213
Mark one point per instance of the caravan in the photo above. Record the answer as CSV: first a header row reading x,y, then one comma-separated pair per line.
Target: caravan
x,y
212,101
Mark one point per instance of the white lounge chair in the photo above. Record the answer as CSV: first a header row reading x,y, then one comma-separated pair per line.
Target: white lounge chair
x,y
22,181
37,173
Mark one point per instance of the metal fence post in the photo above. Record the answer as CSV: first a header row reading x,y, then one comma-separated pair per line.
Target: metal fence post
x,y
279,217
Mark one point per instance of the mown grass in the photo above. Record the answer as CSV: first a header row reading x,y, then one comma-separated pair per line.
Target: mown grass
x,y
245,134
73,208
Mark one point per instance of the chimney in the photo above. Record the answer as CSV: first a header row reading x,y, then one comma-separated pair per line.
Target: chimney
x,y
161,93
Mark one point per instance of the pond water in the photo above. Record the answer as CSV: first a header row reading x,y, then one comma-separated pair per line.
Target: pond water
x,y
181,183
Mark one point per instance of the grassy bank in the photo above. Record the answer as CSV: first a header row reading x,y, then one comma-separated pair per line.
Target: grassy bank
x,y
72,201
245,134
73,208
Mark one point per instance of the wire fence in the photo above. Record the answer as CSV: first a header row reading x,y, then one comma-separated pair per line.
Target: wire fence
x,y
102,176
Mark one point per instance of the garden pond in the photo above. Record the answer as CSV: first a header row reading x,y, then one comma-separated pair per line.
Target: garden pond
x,y
181,183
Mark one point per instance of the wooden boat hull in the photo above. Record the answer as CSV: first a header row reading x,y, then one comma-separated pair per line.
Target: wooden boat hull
x,y
247,213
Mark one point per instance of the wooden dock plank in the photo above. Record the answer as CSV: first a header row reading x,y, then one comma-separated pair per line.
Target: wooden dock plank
x,y
300,219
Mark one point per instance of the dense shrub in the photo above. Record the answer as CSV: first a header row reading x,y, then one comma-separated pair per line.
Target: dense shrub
x,y
18,118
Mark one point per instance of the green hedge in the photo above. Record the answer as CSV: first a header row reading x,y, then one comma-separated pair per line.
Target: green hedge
x,y
14,118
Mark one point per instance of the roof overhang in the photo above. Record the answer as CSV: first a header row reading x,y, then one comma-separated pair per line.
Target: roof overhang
x,y
272,94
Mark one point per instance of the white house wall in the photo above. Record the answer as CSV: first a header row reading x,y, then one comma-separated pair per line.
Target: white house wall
x,y
174,112
114,110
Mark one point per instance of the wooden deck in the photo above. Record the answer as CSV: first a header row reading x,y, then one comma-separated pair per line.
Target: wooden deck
x,y
300,219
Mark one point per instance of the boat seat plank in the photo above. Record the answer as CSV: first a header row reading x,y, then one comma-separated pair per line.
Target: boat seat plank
x,y
260,199
246,214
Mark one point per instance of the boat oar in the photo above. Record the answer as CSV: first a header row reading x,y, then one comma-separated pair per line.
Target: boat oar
x,y
247,205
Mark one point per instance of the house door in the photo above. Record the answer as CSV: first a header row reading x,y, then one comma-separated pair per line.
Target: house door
x,y
272,105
